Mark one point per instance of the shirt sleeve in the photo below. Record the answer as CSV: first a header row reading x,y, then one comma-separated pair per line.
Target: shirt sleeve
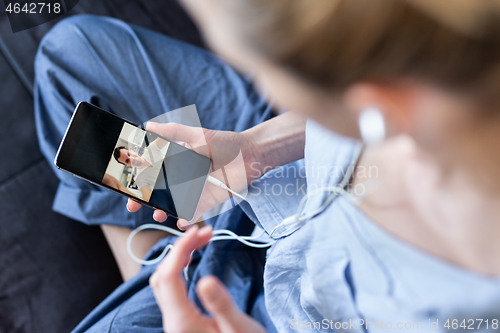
x,y
276,196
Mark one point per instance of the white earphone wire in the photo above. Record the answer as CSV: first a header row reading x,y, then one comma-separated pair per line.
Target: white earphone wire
x,y
251,241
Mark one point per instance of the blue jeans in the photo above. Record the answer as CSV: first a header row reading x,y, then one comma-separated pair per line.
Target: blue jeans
x,y
138,75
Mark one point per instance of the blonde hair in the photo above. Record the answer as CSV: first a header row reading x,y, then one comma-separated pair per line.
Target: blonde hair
x,y
334,43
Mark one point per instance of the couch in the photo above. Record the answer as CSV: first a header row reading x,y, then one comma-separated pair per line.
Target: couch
x,y
53,270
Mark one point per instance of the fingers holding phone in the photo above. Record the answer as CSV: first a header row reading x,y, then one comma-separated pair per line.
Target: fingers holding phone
x,y
227,151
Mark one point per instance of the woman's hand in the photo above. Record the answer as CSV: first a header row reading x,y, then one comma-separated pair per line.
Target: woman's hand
x,y
237,158
178,312
233,156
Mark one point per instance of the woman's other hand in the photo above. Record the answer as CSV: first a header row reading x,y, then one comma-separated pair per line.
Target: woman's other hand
x,y
178,312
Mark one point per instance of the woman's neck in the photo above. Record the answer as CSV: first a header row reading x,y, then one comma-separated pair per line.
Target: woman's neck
x,y
442,209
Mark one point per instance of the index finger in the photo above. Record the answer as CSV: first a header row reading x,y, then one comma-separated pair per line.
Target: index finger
x,y
180,255
167,281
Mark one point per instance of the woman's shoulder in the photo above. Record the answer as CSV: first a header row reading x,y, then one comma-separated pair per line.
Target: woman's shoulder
x,y
328,155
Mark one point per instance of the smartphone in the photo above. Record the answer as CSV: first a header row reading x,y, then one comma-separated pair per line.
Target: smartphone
x,y
120,156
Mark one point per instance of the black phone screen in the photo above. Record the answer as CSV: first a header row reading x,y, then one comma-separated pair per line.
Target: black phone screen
x,y
114,153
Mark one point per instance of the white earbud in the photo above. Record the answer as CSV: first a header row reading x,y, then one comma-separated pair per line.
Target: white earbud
x,y
372,126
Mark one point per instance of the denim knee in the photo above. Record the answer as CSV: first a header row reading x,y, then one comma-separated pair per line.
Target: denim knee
x,y
60,49
59,45
65,33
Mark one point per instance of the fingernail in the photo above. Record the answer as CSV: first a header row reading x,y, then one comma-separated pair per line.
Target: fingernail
x,y
211,294
182,226
155,216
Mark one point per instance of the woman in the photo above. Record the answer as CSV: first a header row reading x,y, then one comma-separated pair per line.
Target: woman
x,y
416,250
432,69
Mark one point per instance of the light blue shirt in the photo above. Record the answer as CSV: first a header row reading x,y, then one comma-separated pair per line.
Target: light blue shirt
x,y
342,272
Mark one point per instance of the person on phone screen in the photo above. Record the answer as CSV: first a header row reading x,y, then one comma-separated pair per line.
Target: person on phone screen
x,y
148,164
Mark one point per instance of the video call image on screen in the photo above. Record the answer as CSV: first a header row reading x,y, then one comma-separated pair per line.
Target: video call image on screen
x,y
136,162
109,151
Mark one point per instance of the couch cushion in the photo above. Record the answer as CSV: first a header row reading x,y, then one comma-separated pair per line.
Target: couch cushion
x,y
53,271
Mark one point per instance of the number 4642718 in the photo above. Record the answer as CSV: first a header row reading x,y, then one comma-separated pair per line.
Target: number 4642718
x,y
34,8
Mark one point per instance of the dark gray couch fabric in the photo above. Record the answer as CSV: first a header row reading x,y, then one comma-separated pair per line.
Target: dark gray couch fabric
x,y
53,270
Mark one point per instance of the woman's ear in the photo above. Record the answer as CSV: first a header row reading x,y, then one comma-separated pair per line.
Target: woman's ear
x,y
395,101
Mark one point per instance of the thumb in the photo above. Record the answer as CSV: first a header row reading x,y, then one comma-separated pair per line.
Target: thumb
x,y
176,132
217,300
